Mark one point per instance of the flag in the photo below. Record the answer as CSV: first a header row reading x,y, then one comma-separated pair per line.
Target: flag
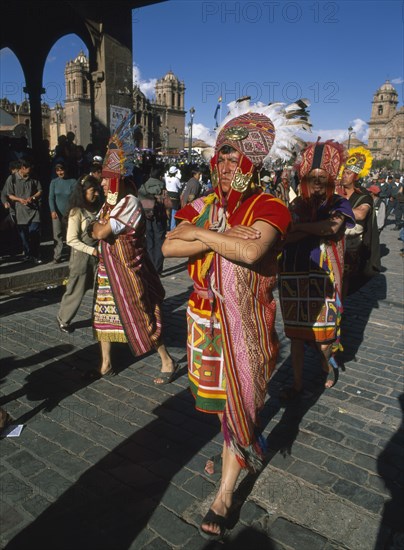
x,y
218,107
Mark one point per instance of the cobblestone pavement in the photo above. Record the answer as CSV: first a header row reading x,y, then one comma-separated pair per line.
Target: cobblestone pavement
x,y
117,463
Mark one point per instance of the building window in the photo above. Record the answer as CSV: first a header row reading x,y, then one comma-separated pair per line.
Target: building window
x,y
84,86
74,88
380,110
381,98
69,88
375,144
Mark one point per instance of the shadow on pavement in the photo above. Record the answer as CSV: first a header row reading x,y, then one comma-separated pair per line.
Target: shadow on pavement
x,y
168,272
249,537
31,300
52,383
390,466
113,501
285,432
357,310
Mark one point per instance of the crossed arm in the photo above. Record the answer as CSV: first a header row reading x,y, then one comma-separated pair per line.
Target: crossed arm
x,y
101,229
242,244
325,228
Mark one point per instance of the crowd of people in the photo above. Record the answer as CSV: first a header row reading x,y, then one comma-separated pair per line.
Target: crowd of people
x,y
312,228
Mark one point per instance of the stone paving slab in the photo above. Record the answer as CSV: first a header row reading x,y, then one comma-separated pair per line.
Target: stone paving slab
x,y
118,463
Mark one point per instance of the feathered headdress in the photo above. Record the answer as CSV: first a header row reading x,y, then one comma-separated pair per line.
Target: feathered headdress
x,y
261,134
264,133
359,161
119,158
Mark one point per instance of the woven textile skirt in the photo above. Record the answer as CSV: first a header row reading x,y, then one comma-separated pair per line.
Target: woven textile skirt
x,y
205,363
107,325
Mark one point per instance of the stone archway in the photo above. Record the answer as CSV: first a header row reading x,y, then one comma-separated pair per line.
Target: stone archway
x,y
106,29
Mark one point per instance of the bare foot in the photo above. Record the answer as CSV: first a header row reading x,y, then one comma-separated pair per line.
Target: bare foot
x,y
210,467
213,465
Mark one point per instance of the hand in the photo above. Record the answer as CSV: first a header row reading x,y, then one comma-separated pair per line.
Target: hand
x,y
186,231
24,201
243,232
95,252
54,216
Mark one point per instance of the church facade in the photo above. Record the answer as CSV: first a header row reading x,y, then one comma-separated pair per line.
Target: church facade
x,y
386,127
159,124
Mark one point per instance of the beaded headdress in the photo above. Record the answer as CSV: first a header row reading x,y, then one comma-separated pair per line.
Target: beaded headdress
x,y
328,156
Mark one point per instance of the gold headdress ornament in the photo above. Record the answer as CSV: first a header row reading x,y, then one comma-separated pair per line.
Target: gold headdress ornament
x,y
359,161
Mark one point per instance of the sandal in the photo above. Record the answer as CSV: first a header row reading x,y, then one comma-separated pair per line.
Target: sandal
x,y
167,377
220,521
217,462
333,373
289,393
64,327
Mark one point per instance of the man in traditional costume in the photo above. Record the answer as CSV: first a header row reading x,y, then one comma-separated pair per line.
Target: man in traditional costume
x,y
362,257
312,263
129,292
231,238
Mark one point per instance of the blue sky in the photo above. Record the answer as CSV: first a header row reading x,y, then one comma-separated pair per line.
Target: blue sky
x,y
336,54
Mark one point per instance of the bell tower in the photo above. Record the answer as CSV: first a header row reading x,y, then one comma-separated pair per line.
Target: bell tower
x,y
169,104
384,103
384,108
78,103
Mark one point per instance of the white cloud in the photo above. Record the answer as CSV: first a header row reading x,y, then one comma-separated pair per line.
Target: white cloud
x,y
397,80
199,131
360,131
146,86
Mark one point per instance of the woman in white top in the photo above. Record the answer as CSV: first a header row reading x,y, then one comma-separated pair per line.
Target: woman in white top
x,y
83,208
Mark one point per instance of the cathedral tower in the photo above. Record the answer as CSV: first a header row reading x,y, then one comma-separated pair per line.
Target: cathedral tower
x,y
169,104
78,105
383,122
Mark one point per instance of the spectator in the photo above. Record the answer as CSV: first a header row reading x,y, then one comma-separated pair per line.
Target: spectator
x,y
82,210
378,205
173,186
24,195
156,218
389,192
192,188
59,193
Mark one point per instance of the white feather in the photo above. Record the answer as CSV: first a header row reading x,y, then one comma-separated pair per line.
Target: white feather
x,y
286,142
